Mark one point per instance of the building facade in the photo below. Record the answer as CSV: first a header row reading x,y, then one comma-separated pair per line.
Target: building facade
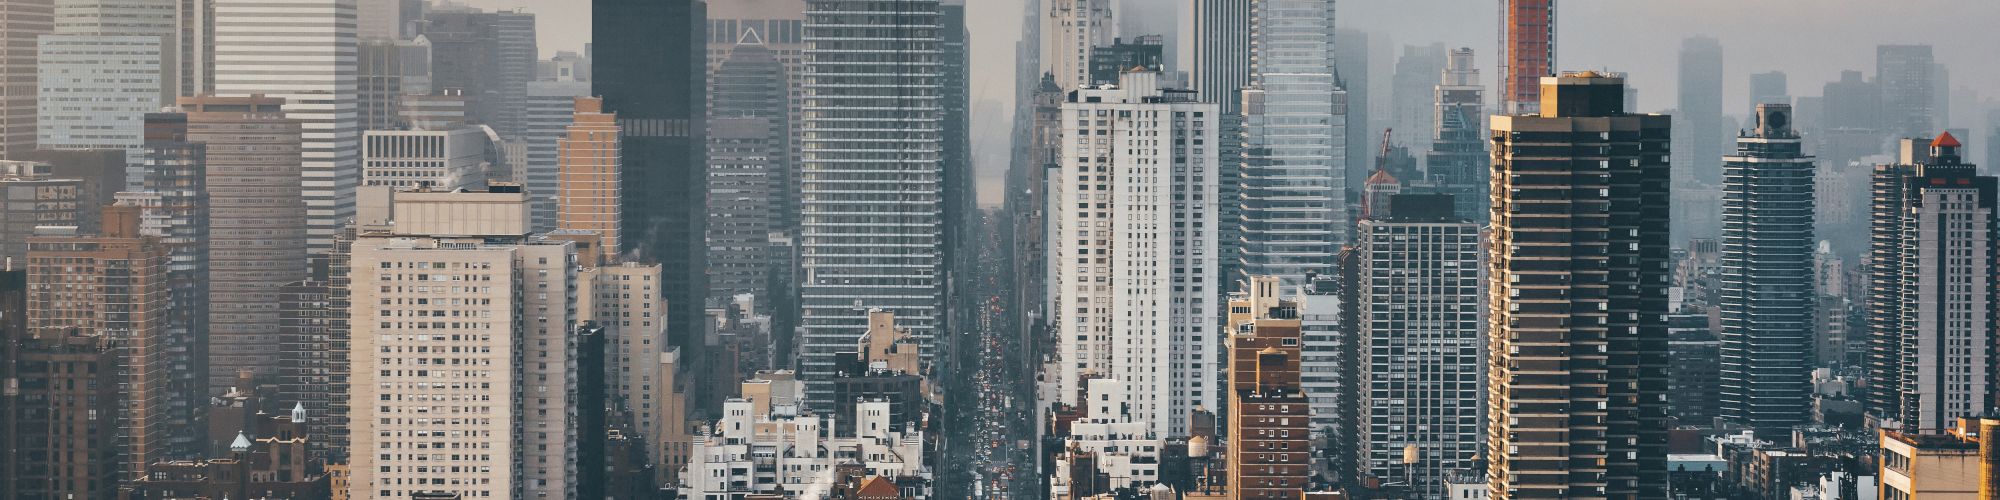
x,y
1133,220
1292,194
1075,29
1457,161
21,23
1578,336
1767,249
1270,445
441,159
590,172
31,196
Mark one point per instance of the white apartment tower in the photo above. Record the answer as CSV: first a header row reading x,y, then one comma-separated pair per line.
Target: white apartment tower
x,y
1074,28
305,52
1293,186
872,206
463,360
1132,248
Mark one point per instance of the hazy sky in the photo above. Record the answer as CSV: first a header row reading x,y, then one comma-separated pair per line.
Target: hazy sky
x,y
1809,40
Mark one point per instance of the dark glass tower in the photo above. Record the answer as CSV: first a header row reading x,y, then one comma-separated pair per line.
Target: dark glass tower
x,y
650,70
1767,276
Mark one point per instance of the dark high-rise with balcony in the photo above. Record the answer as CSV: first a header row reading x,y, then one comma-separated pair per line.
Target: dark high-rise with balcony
x,y
1767,276
1578,293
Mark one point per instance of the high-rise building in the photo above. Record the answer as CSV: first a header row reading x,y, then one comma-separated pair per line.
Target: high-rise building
x,y
551,107
1577,380
1959,463
1695,356
776,26
485,364
56,448
379,20
30,196
1528,52
195,48
1132,236
491,57
304,52
1076,28
1697,156
1219,70
1351,66
21,23
1420,296
872,226
1292,200
1270,448
390,70
653,78
1769,88
1457,162
1323,362
174,200
96,91
256,225
1107,62
1931,280
112,287
444,159
748,182
1907,75
1413,93
1767,251
589,171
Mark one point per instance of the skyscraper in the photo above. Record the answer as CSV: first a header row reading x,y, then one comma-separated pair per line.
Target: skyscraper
x,y
748,157
503,367
1133,238
1270,450
590,170
21,22
175,203
1075,29
256,225
96,90
1578,290
445,158
1219,71
872,225
113,287
1931,283
29,197
1697,156
491,57
1907,75
1419,295
1768,297
304,52
649,71
551,106
1413,94
1769,88
1293,191
1528,52
1457,159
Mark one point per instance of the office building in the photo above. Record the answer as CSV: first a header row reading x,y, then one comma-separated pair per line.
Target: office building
x,y
174,201
1270,444
1458,162
420,379
648,73
21,23
304,52
491,56
590,169
444,159
1292,197
1076,28
1767,248
1324,361
872,227
1419,323
776,28
1907,76
1931,289
1109,61
1133,237
1413,94
390,70
625,300
1578,335
1350,63
1219,69
551,106
1528,52
1769,88
31,196
381,19
113,287
1697,155
96,91
256,225
749,174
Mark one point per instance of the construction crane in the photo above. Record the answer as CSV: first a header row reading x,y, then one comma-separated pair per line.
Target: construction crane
x,y
1382,157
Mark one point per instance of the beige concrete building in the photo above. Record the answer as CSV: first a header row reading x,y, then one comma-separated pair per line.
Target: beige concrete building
x,y
449,298
113,286
588,166
257,226
1961,464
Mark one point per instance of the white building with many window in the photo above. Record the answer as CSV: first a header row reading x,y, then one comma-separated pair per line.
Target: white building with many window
x,y
1132,248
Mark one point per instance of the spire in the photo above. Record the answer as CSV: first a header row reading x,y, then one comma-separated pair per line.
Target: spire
x,y
1945,140
298,413
242,443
